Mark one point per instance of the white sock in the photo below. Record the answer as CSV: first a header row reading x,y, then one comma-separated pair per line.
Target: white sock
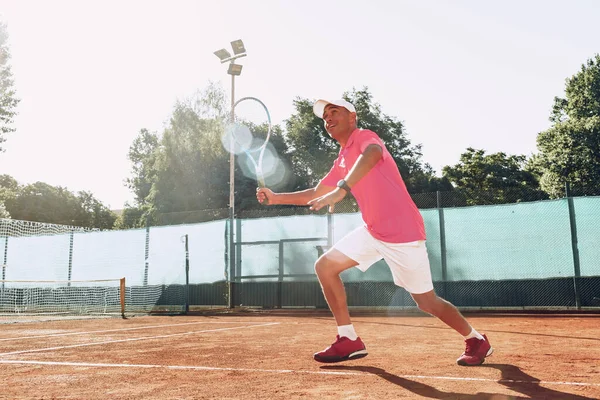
x,y
348,331
473,334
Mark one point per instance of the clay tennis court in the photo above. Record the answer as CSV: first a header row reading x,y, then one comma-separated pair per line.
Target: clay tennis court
x,y
269,355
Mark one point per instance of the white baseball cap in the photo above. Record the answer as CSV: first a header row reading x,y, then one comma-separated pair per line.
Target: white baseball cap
x,y
319,106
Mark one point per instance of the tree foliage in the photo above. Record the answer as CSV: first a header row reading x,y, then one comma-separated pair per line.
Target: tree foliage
x,y
8,99
141,154
57,205
494,178
8,190
186,169
569,151
313,150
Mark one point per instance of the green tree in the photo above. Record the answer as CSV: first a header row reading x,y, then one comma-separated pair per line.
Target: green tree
x,y
130,217
569,151
8,190
190,169
493,179
141,154
91,213
186,169
45,203
313,150
175,172
8,100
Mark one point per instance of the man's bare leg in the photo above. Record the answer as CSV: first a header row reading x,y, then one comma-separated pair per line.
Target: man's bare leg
x,y
328,268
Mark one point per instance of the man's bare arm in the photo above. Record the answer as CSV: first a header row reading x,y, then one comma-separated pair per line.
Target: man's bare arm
x,y
364,163
299,198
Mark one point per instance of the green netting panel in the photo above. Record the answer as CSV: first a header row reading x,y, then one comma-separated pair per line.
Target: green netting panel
x,y
515,241
38,257
297,226
166,257
264,258
207,251
344,224
587,216
109,255
431,218
300,258
257,259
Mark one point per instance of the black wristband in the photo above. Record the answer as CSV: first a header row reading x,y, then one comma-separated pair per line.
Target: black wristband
x,y
343,185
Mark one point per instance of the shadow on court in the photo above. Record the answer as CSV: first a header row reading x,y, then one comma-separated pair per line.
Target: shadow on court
x,y
512,377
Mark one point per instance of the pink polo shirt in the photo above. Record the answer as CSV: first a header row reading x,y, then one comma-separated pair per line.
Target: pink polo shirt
x,y
387,209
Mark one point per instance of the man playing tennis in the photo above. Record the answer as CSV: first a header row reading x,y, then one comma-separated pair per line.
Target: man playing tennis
x,y
393,230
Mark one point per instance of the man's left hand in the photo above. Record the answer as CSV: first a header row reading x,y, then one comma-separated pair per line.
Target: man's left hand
x,y
329,200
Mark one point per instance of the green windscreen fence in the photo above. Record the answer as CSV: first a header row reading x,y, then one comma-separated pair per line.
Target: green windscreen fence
x,y
587,215
532,255
535,255
516,241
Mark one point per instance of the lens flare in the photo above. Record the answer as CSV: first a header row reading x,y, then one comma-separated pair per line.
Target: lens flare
x,y
236,138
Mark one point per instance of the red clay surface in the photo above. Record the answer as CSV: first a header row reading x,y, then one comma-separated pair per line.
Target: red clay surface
x,y
269,355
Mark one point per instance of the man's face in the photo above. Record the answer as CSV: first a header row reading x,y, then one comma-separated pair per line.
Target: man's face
x,y
338,121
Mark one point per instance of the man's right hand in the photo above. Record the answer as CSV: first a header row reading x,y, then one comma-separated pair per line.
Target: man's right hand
x,y
265,196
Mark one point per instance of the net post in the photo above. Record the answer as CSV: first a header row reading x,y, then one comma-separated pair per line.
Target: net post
x,y
122,297
70,267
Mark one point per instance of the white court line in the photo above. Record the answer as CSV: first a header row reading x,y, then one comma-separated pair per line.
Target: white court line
x,y
133,339
285,371
121,330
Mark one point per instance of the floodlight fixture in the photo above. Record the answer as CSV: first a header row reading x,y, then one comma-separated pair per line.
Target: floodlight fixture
x,y
238,47
234,69
223,54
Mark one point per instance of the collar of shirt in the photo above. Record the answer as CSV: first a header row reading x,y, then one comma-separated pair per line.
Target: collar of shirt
x,y
350,139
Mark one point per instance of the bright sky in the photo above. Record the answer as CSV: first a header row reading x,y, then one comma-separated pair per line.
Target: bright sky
x,y
460,73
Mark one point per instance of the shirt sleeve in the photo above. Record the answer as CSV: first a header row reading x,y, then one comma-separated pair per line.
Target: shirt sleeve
x,y
369,137
333,176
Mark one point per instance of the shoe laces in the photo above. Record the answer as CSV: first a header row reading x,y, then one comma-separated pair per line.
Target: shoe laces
x,y
471,345
338,339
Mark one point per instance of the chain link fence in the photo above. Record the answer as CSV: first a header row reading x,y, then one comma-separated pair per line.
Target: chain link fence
x,y
490,251
486,252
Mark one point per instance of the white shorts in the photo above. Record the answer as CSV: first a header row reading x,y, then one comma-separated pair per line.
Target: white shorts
x,y
408,262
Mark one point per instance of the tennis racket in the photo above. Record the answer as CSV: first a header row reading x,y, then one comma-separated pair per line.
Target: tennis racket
x,y
245,141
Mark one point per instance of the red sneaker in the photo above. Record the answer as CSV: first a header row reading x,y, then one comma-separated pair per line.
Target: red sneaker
x,y
476,352
341,350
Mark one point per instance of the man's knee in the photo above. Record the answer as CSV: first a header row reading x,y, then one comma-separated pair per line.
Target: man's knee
x,y
430,303
322,266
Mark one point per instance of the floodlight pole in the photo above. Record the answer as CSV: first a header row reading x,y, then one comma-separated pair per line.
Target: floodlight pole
x,y
232,252
234,69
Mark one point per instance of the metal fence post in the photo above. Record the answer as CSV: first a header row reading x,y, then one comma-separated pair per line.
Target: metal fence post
x,y
280,277
576,263
187,276
238,248
231,265
442,241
